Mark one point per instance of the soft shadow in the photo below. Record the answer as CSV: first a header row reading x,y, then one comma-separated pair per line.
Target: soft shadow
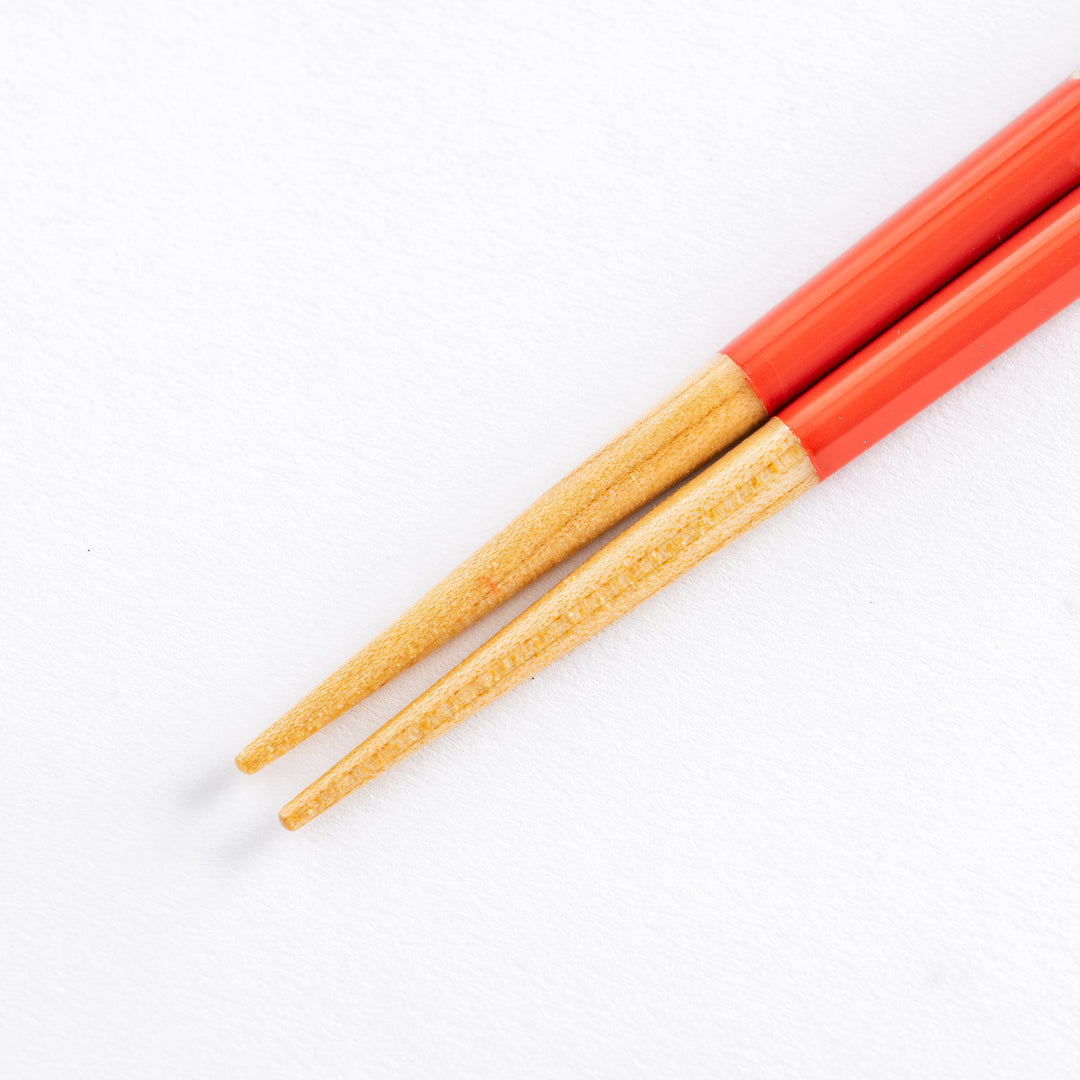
x,y
208,788
240,850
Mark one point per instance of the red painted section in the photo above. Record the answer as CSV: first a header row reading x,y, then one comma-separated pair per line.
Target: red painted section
x,y
1014,289
969,211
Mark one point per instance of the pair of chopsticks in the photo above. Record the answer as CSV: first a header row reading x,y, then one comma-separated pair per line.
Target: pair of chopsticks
x,y
983,256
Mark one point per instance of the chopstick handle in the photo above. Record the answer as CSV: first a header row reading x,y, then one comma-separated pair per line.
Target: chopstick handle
x,y
1001,299
992,193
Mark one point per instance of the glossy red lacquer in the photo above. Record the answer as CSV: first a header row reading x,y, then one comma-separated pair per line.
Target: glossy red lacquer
x,y
1014,289
969,211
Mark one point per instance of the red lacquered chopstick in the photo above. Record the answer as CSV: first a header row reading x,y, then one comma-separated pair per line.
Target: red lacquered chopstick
x,y
1007,294
958,219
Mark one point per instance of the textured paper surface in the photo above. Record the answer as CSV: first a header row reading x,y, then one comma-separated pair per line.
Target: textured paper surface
x,y
302,302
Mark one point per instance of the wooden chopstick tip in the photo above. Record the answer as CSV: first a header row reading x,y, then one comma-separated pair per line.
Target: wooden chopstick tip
x,y
299,811
252,758
276,740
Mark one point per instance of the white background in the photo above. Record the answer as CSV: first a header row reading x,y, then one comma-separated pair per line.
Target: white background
x,y
298,304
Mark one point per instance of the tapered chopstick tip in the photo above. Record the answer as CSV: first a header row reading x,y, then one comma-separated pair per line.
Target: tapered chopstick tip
x,y
298,812
250,760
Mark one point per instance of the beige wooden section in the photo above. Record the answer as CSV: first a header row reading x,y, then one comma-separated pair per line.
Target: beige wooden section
x,y
711,411
754,480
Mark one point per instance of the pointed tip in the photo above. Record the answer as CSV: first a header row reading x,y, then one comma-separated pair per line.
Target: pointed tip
x,y
298,811
249,760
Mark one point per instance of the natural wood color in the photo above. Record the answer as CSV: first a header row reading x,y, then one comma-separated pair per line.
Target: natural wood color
x,y
711,411
754,480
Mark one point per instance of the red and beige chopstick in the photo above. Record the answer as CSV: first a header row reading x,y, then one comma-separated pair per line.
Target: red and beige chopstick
x,y
990,195
1007,294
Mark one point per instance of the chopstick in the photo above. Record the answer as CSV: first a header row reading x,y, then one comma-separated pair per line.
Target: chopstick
x,y
995,191
1010,292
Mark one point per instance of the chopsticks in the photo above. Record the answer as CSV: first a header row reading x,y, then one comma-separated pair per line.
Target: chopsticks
x,y
995,191
991,306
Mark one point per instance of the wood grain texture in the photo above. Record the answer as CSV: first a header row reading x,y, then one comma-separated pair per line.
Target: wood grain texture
x,y
751,482
711,411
